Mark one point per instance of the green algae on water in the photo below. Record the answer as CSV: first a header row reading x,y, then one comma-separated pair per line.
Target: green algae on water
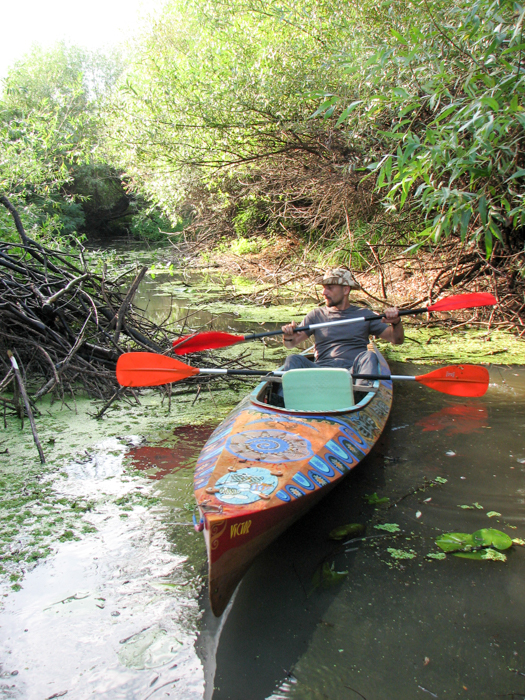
x,y
444,346
39,512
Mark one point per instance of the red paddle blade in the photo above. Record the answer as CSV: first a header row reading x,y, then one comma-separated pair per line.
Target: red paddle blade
x,y
210,340
457,380
150,369
464,301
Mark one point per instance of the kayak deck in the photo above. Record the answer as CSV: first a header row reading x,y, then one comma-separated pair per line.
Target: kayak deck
x,y
265,466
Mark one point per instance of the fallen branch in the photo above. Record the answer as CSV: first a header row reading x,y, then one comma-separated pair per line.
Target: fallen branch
x,y
27,405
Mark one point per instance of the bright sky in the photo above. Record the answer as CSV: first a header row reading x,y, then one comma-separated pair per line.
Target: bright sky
x,y
93,24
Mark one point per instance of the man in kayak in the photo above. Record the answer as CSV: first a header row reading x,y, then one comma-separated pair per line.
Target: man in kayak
x,y
342,345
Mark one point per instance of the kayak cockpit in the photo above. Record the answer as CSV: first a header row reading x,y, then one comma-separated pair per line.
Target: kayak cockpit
x,y
313,391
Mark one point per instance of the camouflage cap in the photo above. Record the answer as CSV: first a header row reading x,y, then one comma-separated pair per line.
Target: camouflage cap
x,y
339,276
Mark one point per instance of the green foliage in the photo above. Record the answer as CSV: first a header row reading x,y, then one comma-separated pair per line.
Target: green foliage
x,y
343,531
455,541
388,527
489,553
248,219
443,92
425,99
374,499
50,116
150,225
245,246
326,576
60,217
487,537
422,101
401,553
202,98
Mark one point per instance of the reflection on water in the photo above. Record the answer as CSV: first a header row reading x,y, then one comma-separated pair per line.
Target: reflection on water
x,y
158,461
174,302
464,418
190,301
115,614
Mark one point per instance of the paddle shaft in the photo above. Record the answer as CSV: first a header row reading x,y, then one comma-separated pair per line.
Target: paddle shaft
x,y
264,373
313,326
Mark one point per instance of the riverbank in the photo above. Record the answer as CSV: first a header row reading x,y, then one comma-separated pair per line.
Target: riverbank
x,y
254,289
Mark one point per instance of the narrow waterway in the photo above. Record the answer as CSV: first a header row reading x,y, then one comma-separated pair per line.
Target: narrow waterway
x,y
119,610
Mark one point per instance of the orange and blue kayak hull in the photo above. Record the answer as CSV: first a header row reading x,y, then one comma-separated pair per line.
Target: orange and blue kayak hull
x,y
264,467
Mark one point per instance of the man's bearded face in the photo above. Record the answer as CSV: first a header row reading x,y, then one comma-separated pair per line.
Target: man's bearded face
x,y
334,293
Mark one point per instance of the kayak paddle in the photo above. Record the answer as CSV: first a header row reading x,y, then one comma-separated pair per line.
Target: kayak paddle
x,y
211,340
150,369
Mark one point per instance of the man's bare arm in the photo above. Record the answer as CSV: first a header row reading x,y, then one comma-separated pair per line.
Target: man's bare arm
x,y
395,333
291,339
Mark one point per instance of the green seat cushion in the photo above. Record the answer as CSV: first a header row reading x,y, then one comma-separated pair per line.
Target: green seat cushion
x,y
319,389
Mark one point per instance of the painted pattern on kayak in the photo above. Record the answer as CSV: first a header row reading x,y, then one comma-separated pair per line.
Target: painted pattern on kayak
x,y
264,467
245,486
357,432
275,446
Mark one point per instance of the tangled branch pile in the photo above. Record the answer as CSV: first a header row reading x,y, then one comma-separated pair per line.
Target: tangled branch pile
x,y
66,325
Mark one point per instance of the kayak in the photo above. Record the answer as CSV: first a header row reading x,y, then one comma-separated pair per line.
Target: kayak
x,y
266,465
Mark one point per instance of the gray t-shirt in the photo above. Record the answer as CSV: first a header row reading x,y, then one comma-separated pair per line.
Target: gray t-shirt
x,y
338,346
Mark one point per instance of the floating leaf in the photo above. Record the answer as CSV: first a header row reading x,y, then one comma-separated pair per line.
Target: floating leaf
x,y
437,555
518,540
401,553
389,527
493,554
440,480
455,541
351,530
478,506
493,514
468,555
467,507
482,555
487,537
374,499
325,576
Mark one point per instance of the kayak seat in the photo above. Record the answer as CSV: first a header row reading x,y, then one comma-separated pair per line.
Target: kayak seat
x,y
319,389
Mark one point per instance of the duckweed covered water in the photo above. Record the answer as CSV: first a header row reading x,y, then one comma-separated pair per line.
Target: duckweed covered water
x,y
89,558
220,301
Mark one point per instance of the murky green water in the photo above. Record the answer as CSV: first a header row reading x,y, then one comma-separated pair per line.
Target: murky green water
x,y
118,608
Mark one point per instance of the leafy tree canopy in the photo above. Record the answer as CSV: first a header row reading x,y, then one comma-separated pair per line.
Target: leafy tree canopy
x,y
444,97
425,97
50,115
226,84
